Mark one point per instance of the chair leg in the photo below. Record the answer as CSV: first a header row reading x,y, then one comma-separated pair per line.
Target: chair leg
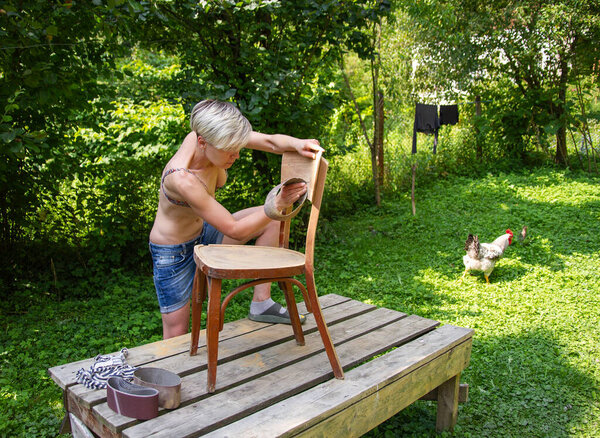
x,y
338,372
293,311
198,297
304,296
212,331
306,302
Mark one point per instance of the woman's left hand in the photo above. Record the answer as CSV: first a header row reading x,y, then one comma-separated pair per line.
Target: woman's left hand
x,y
289,194
308,147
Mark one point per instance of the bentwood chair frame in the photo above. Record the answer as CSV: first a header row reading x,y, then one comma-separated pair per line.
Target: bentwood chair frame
x,y
259,264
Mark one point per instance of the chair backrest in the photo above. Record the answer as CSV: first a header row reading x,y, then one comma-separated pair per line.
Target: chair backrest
x,y
294,165
314,171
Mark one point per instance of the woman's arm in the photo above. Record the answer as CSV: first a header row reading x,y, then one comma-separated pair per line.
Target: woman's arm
x,y
211,211
279,143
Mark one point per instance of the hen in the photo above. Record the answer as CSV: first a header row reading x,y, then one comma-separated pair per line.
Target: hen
x,y
483,256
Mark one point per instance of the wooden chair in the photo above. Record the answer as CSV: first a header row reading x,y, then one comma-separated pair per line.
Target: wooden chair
x,y
261,264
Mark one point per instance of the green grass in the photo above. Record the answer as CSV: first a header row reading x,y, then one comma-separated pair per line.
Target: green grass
x,y
535,368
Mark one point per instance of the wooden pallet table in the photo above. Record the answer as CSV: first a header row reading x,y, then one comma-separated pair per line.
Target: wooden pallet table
x,y
269,386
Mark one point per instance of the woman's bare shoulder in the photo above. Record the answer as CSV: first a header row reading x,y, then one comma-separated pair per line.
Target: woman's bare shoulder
x,y
191,137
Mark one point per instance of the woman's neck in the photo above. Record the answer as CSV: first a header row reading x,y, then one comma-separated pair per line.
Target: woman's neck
x,y
199,160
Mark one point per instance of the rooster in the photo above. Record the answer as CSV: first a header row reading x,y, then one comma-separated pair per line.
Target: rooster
x,y
483,256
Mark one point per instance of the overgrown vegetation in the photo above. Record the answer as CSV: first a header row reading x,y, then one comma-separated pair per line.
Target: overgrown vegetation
x,y
534,368
95,96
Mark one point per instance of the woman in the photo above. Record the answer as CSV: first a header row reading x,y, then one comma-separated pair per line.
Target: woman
x,y
189,215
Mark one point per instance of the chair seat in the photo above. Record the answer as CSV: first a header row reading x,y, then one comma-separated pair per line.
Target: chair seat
x,y
239,261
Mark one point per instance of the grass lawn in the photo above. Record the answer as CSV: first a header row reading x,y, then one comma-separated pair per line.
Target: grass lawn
x,y
535,366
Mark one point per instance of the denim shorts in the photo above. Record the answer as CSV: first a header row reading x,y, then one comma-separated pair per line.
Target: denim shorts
x,y
174,269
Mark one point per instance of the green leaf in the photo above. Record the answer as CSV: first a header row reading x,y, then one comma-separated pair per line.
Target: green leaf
x,y
52,30
229,93
9,136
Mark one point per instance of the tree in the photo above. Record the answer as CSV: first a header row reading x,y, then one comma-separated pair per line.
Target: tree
x,y
275,60
533,48
376,142
51,56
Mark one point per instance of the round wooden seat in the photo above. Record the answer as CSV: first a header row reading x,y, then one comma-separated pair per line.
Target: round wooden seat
x,y
237,261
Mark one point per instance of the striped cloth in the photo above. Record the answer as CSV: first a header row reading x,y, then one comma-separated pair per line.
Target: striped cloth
x,y
105,366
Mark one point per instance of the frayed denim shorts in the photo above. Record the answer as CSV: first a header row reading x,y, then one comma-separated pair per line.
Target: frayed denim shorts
x,y
174,269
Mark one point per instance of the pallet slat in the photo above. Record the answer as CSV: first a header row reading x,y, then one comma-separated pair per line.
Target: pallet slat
x,y
228,406
369,395
231,347
269,360
64,375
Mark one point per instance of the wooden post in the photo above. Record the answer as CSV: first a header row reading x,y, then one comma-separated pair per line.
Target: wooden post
x,y
447,409
378,137
412,190
478,115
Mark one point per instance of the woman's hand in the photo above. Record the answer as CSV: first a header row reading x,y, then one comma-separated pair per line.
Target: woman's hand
x,y
289,194
307,147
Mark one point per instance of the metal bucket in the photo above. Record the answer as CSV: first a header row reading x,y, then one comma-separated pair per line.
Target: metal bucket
x,y
167,383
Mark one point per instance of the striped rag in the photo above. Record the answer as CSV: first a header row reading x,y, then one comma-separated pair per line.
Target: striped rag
x,y
104,367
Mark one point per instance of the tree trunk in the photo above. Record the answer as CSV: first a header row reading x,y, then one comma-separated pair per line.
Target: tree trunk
x,y
378,137
377,144
375,176
561,134
561,145
479,152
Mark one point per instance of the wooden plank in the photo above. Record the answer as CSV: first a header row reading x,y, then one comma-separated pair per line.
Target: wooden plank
x,y
463,394
64,375
369,395
78,429
250,367
228,406
88,418
232,347
390,399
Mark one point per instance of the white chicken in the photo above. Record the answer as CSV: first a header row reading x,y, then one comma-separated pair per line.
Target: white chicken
x,y
483,256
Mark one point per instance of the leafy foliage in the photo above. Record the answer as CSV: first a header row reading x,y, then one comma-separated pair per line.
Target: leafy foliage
x,y
534,366
86,131
527,51
52,54
272,58
275,60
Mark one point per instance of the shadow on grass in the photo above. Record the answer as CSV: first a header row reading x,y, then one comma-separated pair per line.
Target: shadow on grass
x,y
564,224
393,239
518,386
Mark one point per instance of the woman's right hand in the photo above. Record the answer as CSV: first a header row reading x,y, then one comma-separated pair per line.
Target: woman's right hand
x,y
289,194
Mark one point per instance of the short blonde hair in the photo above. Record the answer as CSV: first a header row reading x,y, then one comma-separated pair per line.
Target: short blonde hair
x,y
221,124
